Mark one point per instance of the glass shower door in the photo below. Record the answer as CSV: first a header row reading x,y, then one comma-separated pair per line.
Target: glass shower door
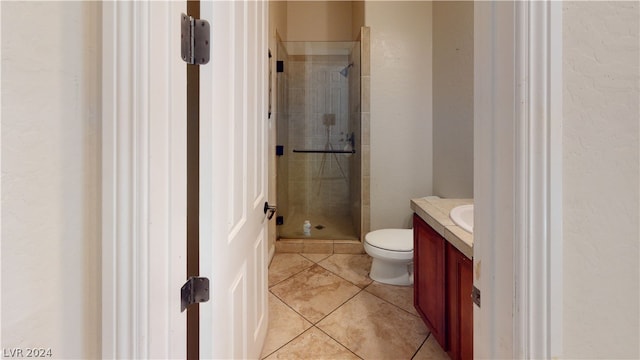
x,y
316,129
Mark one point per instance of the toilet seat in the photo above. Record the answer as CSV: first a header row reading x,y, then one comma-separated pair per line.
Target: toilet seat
x,y
400,240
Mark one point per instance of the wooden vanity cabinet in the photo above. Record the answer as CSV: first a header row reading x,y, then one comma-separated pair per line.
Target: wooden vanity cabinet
x,y
429,278
443,281
459,285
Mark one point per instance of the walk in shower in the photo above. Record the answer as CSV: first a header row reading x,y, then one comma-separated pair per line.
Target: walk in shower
x,y
318,130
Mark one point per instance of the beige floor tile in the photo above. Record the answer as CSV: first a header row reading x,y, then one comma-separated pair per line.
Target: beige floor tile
x,y
313,344
314,292
354,268
374,329
431,350
400,296
316,257
284,266
284,325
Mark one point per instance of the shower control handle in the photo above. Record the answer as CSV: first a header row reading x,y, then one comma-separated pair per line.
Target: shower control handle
x,y
271,209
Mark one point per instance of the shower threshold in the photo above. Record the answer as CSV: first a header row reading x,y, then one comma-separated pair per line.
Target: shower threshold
x,y
318,246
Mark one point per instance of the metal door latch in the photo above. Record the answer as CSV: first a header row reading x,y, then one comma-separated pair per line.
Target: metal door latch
x,y
195,290
475,295
270,209
194,40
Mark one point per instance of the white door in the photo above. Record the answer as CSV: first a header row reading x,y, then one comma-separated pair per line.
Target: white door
x,y
233,180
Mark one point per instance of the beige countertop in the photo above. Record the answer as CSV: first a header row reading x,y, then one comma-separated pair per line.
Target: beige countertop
x,y
435,212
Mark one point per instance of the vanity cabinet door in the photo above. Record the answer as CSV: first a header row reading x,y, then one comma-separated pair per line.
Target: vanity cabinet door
x,y
459,304
429,278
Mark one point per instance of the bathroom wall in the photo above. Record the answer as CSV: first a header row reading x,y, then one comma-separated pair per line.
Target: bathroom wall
x,y
319,21
357,18
601,180
453,99
401,108
51,177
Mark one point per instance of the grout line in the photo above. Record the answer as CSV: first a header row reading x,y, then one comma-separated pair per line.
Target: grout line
x,y
421,345
389,302
336,340
294,310
288,342
338,307
292,275
345,279
361,289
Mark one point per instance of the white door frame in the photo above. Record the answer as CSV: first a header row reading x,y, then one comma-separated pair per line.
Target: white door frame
x,y
518,179
143,180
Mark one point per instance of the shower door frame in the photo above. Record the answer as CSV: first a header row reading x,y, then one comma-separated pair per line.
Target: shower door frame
x,y
361,216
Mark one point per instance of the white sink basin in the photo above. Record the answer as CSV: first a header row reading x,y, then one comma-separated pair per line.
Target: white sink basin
x,y
463,216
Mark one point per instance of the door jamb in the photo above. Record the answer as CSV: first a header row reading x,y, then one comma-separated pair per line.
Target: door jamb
x,y
143,180
518,179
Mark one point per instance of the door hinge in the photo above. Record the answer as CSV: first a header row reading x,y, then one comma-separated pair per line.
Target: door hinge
x,y
195,290
194,40
475,295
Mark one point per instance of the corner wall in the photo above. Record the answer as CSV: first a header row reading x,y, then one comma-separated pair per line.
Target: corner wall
x,y
50,177
401,108
453,99
601,186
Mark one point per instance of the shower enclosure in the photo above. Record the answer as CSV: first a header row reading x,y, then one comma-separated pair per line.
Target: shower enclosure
x,y
318,131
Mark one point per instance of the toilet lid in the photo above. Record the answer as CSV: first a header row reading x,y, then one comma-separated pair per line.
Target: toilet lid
x,y
391,239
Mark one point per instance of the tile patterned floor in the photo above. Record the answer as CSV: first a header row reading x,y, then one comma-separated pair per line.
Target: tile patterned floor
x,y
324,306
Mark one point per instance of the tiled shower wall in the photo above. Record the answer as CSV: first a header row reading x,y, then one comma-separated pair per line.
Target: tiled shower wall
x,y
365,124
355,125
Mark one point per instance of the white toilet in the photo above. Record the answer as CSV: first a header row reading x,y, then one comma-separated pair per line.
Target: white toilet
x,y
392,253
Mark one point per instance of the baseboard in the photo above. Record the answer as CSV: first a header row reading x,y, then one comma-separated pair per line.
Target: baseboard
x,y
272,251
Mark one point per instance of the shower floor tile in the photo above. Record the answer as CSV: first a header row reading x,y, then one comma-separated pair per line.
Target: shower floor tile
x,y
333,227
348,318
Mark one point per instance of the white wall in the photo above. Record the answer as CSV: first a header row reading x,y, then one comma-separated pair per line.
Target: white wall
x,y
50,177
401,114
453,99
601,180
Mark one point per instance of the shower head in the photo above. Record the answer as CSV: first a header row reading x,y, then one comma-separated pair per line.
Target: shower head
x,y
344,72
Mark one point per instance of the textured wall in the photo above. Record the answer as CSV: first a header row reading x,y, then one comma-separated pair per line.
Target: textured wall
x,y
601,180
50,177
453,99
401,113
319,21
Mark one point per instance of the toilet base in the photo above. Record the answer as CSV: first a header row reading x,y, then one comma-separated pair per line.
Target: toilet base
x,y
392,273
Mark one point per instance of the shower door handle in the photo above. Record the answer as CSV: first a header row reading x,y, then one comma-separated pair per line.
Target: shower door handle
x,y
271,209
